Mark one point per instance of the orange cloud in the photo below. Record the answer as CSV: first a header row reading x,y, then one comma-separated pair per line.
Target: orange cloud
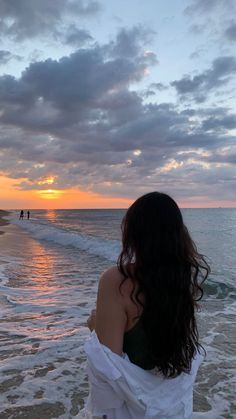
x,y
14,198
47,181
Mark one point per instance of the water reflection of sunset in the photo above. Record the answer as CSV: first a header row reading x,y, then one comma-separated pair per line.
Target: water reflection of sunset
x,y
43,268
45,290
51,215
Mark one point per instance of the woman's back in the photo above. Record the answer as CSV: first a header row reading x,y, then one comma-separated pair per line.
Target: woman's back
x,y
114,292
146,305
162,262
135,343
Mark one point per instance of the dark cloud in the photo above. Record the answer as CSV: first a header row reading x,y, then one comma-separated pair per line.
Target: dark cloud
x,y
198,87
225,157
80,120
139,146
226,122
230,32
26,19
77,37
129,41
14,93
59,93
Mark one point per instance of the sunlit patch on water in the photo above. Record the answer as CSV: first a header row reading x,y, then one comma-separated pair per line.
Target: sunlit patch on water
x,y
50,269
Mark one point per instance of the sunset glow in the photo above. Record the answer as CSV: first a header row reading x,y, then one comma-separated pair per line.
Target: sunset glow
x,y
50,193
102,103
47,181
14,198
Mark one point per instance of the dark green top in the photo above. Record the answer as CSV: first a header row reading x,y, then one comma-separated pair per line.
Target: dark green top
x,y
135,346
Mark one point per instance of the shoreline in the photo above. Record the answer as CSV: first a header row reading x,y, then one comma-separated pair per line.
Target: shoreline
x,y
48,287
3,222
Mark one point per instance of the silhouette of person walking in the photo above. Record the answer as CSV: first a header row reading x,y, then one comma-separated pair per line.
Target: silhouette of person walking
x,y
28,215
21,215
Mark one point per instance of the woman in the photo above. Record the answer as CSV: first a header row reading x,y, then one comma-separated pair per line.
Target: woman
x,y
146,309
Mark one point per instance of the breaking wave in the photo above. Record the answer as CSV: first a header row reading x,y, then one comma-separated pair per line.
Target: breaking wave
x,y
106,248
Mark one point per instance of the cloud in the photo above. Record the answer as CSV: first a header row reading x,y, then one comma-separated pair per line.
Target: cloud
x,y
198,28
105,159
26,19
76,36
6,56
158,86
81,95
59,93
207,7
230,32
197,88
153,87
81,121
220,123
213,19
129,41
197,53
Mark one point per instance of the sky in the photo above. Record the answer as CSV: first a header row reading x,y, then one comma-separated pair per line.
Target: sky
x,y
104,101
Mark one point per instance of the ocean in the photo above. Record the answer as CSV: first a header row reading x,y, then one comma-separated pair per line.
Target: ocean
x,y
49,271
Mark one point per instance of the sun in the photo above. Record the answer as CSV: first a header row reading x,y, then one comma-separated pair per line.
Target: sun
x,y
50,193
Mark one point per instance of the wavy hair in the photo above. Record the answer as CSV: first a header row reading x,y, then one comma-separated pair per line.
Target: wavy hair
x,y
162,261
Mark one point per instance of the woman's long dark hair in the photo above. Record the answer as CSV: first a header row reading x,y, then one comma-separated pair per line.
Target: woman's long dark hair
x,y
161,259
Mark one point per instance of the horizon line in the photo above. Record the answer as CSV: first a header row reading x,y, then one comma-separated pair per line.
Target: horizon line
x,y
102,209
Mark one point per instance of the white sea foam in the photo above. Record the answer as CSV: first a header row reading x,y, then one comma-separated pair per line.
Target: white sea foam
x,y
51,290
106,248
3,278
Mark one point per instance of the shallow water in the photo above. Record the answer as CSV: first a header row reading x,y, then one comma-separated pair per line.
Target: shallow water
x,y
50,267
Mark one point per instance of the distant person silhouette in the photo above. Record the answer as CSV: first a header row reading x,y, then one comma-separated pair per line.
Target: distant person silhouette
x,y
28,215
21,215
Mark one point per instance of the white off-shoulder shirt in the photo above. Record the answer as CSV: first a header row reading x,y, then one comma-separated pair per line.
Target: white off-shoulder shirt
x,y
122,390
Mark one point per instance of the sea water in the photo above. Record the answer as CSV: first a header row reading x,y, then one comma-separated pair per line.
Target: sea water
x,y
49,270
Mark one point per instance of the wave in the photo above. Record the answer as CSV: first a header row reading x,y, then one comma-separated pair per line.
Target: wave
x,y
106,248
218,289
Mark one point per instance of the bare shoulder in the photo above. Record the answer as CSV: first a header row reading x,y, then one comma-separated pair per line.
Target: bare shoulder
x,y
114,292
111,315
113,280
112,274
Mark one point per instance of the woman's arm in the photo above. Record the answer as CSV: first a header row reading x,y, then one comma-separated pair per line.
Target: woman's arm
x,y
110,312
91,321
